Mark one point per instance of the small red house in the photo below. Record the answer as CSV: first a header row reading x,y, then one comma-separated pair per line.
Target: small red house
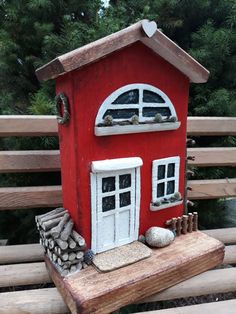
x,y
123,148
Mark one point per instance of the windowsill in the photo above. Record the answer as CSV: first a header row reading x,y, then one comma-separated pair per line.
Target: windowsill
x,y
140,128
154,208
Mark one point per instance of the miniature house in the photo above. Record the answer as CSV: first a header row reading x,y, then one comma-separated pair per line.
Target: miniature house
x,y
123,148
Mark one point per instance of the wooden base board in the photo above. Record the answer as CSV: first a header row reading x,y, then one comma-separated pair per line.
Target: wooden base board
x,y
89,292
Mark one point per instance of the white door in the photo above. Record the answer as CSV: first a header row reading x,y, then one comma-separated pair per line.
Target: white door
x,y
117,209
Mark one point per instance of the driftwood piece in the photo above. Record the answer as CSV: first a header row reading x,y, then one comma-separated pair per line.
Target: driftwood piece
x,y
67,230
195,221
73,268
74,262
47,225
184,224
56,231
72,243
52,212
50,217
190,222
72,256
80,255
65,257
178,226
78,238
62,244
68,250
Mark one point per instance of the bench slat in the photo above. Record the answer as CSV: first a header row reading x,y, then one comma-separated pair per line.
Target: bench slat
x,y
38,301
211,126
47,125
33,252
29,161
225,235
49,160
27,125
21,253
30,197
23,274
210,282
222,307
213,156
44,300
50,196
36,273
211,189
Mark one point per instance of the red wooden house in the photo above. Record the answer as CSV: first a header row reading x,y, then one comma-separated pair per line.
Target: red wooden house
x,y
123,148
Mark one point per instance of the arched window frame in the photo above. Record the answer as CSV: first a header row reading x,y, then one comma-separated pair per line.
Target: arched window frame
x,y
107,104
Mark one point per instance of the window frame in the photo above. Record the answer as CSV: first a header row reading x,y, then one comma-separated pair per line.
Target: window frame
x,y
107,104
156,181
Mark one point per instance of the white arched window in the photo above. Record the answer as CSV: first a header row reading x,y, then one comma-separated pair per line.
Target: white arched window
x,y
136,105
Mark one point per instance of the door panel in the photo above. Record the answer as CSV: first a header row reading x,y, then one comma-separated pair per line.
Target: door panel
x,y
115,208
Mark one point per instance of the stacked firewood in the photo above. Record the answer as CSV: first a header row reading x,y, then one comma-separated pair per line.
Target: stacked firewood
x,y
62,244
183,224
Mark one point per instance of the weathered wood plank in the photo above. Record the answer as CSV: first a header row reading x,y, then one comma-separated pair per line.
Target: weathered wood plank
x,y
213,281
37,301
159,43
33,252
211,189
210,126
36,273
138,280
222,307
213,156
50,196
10,254
43,161
29,161
226,235
28,125
23,274
230,255
30,197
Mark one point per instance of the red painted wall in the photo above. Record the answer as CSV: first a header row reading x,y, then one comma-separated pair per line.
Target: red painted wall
x,y
86,89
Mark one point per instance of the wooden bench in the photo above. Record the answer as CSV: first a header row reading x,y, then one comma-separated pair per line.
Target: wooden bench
x,y
22,265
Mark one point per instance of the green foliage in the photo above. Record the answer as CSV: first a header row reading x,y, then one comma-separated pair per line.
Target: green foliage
x,y
32,32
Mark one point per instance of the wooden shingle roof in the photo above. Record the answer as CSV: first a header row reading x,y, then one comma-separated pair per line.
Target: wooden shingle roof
x,y
144,31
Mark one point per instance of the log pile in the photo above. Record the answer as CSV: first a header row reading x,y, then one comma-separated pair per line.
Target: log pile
x,y
62,244
183,224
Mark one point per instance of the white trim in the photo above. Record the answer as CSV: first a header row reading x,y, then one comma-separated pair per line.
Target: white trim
x,y
116,164
155,180
154,208
96,207
93,188
137,203
107,104
140,128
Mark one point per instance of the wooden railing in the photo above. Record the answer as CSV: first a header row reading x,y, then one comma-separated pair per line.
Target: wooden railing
x,y
22,265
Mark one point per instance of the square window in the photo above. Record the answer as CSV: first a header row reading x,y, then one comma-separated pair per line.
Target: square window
x,y
108,184
171,170
124,181
125,199
161,172
160,189
108,203
170,187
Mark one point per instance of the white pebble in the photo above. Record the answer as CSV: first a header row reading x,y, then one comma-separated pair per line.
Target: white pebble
x,y
159,237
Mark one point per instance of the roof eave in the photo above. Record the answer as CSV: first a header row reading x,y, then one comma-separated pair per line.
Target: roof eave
x,y
98,49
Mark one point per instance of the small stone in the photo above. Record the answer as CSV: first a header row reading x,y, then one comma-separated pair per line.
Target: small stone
x,y
159,237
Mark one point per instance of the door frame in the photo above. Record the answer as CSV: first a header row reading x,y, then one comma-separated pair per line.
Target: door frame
x,y
104,166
